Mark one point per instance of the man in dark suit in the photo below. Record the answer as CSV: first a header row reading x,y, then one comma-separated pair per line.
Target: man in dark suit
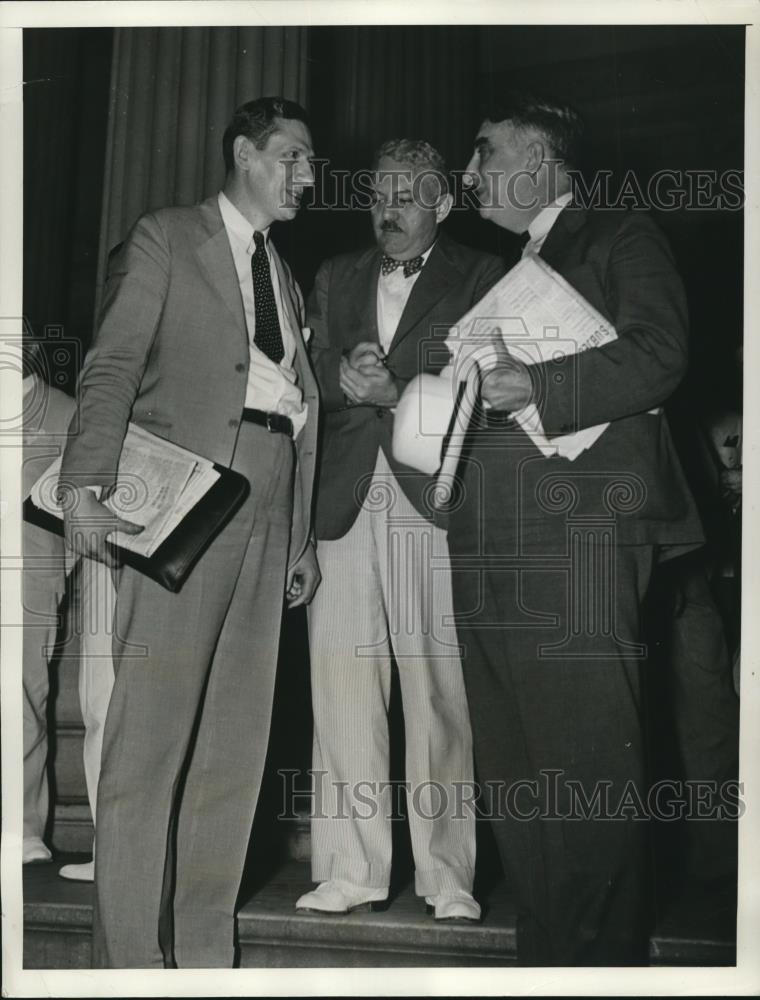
x,y
200,342
379,319
551,558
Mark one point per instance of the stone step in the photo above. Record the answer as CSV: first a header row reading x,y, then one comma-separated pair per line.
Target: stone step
x,y
58,925
273,935
72,827
57,918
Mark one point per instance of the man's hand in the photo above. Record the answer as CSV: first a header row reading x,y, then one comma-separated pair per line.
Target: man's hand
x,y
372,384
303,579
87,524
731,487
366,356
506,383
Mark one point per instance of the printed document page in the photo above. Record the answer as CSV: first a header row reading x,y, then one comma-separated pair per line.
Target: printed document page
x,y
157,484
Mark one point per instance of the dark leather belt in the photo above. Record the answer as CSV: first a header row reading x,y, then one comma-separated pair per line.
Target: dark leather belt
x,y
275,423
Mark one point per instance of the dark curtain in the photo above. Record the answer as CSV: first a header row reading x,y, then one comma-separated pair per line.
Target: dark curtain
x,y
172,93
65,107
370,84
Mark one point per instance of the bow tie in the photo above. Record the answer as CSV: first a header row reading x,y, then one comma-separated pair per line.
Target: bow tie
x,y
389,265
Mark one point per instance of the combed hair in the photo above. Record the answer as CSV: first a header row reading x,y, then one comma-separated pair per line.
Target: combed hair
x,y
256,120
418,154
558,123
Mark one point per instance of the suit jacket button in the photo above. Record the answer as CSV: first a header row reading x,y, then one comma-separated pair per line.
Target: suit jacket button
x,y
233,422
240,367
380,412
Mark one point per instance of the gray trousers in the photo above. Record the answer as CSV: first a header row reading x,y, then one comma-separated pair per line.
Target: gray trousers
x,y
187,731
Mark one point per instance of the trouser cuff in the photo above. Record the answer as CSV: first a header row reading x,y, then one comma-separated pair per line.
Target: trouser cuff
x,y
367,874
435,880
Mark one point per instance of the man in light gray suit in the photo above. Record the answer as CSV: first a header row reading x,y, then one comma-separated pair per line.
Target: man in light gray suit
x,y
200,341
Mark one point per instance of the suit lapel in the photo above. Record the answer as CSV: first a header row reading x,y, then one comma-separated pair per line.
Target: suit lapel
x,y
293,313
286,291
216,259
364,294
561,235
438,276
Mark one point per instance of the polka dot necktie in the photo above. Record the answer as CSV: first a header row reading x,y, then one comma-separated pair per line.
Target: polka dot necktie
x,y
389,265
268,337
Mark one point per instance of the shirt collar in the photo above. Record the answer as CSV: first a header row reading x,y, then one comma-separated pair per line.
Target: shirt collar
x,y
543,222
237,224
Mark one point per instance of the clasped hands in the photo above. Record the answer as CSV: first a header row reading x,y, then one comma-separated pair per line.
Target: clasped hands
x,y
365,379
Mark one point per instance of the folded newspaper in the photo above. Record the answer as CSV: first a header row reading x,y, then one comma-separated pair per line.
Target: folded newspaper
x,y
540,317
157,484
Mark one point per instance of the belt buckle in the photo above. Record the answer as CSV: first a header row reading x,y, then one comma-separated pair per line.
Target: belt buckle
x,y
270,423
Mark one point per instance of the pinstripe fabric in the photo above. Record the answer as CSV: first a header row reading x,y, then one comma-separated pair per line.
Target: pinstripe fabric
x,y
386,590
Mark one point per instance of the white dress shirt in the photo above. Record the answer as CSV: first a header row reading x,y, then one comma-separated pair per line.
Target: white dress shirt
x,y
272,387
393,291
539,229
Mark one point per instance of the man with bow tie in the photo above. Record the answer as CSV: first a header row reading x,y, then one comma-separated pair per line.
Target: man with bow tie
x,y
379,318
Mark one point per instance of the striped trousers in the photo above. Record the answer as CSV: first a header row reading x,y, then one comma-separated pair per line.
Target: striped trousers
x,y
386,594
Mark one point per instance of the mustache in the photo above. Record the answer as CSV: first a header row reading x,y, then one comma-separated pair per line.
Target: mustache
x,y
390,227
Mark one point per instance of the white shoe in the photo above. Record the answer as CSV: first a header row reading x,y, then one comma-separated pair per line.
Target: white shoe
x,y
456,905
34,851
340,897
79,873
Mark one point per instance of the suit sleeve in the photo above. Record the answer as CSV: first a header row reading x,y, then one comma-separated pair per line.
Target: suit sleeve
x,y
134,298
640,370
493,271
325,356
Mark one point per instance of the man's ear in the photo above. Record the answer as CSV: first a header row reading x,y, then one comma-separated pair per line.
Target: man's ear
x,y
242,150
534,156
443,207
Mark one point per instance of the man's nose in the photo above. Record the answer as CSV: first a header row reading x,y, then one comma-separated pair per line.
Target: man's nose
x,y
305,173
471,176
